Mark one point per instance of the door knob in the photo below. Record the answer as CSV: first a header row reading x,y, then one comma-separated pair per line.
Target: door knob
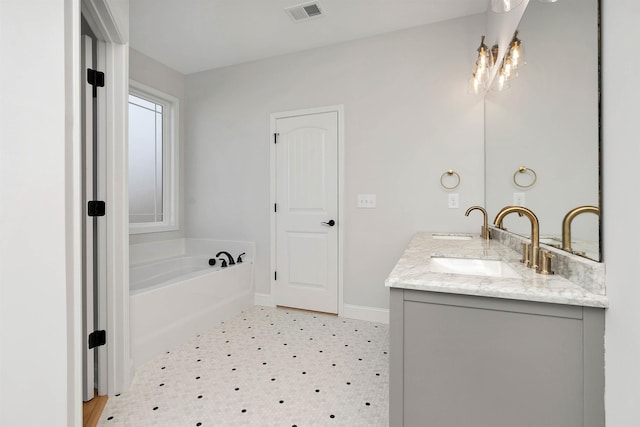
x,y
330,223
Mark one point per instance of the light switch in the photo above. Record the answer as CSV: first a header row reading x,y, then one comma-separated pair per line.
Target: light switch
x,y
454,201
519,199
367,201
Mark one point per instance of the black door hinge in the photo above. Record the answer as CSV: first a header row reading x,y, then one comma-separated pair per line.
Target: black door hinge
x,y
96,79
275,275
96,208
97,338
275,207
275,138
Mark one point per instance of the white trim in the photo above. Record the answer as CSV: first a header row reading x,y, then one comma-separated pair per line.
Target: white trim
x,y
103,21
116,90
371,314
101,173
113,126
170,162
339,109
264,300
74,212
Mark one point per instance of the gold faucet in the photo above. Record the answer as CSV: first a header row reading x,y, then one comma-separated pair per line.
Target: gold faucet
x,y
531,258
566,223
484,231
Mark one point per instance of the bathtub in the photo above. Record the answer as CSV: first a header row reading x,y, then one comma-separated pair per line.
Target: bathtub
x,y
175,294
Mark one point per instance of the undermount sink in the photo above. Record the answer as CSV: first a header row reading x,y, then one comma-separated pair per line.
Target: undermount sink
x,y
451,236
473,267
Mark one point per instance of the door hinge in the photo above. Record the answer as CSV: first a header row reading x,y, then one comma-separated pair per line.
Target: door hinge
x,y
275,207
275,275
275,138
97,338
96,79
96,208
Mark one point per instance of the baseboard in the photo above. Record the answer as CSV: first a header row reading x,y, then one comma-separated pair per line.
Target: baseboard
x,y
371,314
358,312
264,299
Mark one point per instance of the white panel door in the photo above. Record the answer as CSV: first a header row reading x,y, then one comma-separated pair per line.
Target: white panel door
x,y
307,212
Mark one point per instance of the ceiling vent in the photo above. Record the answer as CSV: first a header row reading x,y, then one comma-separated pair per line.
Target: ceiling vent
x,y
305,11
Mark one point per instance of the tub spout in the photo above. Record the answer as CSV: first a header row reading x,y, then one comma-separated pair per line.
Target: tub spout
x,y
228,255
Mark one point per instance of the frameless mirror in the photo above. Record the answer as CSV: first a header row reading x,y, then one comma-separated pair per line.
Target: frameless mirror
x,y
547,121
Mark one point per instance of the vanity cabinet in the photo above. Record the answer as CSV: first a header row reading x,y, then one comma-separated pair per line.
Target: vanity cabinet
x,y
462,361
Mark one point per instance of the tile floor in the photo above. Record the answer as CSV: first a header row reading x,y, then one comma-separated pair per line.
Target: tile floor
x,y
265,367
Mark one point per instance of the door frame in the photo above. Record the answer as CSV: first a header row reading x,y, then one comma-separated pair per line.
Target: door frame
x,y
339,109
113,59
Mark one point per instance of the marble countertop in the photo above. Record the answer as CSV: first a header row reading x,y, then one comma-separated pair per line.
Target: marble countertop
x,y
413,271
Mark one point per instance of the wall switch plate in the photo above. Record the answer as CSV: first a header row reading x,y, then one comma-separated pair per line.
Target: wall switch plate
x,y
454,201
519,199
367,201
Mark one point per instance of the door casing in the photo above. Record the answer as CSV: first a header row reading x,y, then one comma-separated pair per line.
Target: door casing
x,y
339,109
113,59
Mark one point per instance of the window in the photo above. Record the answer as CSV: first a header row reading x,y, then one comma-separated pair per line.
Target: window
x,y
153,155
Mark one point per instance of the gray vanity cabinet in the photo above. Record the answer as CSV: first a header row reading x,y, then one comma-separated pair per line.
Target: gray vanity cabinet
x,y
466,361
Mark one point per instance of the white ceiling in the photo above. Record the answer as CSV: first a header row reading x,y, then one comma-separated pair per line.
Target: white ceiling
x,y
196,35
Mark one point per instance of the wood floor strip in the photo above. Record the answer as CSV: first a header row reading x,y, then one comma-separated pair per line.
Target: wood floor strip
x,y
92,410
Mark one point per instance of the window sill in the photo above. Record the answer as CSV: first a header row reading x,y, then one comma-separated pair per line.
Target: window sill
x,y
151,228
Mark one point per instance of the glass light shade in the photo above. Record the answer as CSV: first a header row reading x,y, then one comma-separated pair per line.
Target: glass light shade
x,y
502,83
480,77
481,72
476,85
501,6
507,69
517,54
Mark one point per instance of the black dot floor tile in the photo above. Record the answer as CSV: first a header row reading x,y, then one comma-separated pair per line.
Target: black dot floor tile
x,y
267,367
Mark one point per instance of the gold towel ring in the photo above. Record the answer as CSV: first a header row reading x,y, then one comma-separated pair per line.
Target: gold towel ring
x,y
450,172
522,170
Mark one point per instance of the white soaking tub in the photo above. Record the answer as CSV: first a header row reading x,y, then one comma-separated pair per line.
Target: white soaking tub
x,y
175,294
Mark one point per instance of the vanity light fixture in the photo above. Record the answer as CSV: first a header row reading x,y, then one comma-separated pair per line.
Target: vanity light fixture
x,y
480,76
513,60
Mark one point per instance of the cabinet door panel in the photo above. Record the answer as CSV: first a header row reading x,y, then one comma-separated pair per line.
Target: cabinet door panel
x,y
479,367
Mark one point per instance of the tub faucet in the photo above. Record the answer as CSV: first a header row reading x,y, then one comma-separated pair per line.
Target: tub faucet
x,y
532,257
239,260
566,223
228,255
484,231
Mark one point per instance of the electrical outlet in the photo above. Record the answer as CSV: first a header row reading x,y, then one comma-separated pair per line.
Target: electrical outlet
x,y
367,201
454,201
519,199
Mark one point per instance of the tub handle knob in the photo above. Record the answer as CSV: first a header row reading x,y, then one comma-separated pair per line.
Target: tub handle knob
x,y
224,263
212,261
239,260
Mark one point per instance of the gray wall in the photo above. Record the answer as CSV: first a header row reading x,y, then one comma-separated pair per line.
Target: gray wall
x,y
408,119
158,76
36,278
620,207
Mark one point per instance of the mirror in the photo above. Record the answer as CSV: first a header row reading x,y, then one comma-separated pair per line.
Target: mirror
x,y
548,122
